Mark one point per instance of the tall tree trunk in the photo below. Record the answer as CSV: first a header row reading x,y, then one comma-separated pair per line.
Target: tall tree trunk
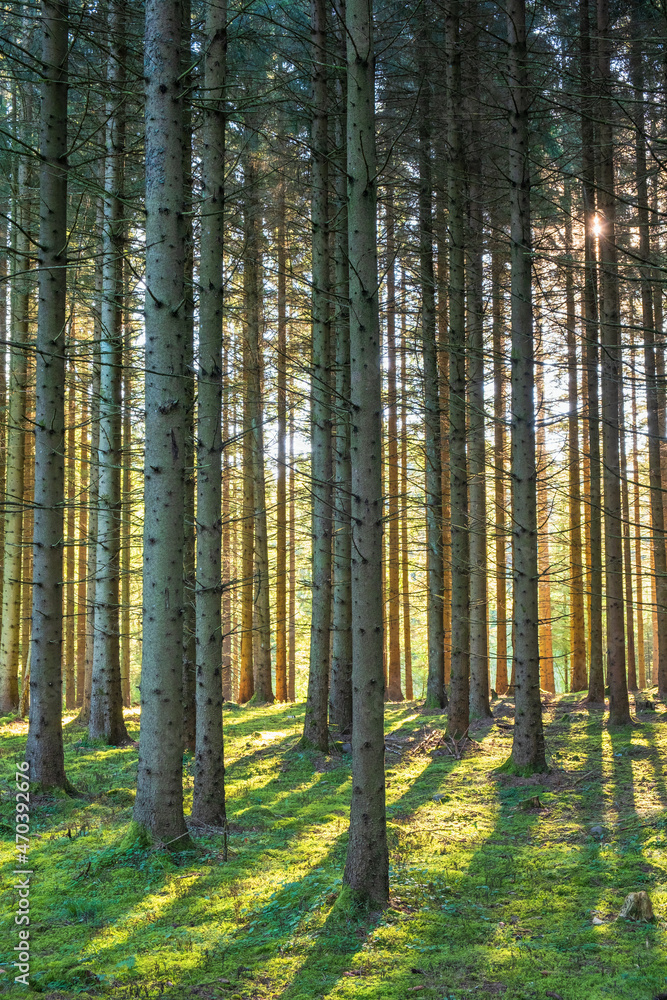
x,y
188,397
228,564
596,670
627,554
340,699
281,470
208,802
499,417
158,806
528,744
436,696
315,730
459,691
641,653
10,636
367,866
653,407
82,551
479,626
291,651
69,631
577,620
405,551
126,498
106,701
394,692
442,278
543,547
44,748
619,711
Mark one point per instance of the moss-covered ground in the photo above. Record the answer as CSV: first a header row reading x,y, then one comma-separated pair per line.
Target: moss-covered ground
x,y
491,894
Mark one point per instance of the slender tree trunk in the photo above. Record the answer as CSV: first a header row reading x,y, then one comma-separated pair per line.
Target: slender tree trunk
x,y
653,407
436,696
281,471
340,699
82,550
44,748
457,723
93,493
367,866
228,564
188,398
543,547
315,730
106,701
619,711
126,500
641,653
528,744
158,806
627,554
499,403
479,626
405,551
596,670
577,619
69,631
291,652
394,692
208,802
14,516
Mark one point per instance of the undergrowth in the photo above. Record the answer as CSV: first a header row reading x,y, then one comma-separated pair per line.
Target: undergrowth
x,y
495,878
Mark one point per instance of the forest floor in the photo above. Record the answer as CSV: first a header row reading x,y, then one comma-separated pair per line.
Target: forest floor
x,y
499,887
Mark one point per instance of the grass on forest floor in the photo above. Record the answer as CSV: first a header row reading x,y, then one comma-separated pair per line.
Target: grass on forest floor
x,y
487,897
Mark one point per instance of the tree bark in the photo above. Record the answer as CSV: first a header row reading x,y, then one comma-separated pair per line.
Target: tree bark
x,y
106,701
281,470
315,729
394,692
159,803
367,865
208,802
459,691
528,745
499,417
44,748
619,711
436,696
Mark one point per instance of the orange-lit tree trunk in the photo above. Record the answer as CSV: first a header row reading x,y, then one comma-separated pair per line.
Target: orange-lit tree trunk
x,y
543,523
405,550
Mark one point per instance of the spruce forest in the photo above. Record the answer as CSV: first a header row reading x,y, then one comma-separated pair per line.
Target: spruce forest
x,y
333,448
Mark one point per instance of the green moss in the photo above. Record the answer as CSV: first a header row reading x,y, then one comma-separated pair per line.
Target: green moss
x,y
484,895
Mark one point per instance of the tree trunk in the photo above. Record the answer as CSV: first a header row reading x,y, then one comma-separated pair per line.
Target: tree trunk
x,y
528,744
479,626
499,403
619,711
188,398
436,696
126,495
394,692
106,701
82,552
596,670
340,699
641,653
291,652
367,866
44,748
208,802
14,516
656,471
459,691
543,547
69,632
158,806
281,470
315,730
405,551
577,620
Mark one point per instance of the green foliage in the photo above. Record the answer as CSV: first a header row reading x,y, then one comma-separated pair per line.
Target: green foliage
x,y
485,894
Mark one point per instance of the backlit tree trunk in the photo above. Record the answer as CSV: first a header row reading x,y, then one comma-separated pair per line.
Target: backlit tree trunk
x,y
367,866
208,802
44,748
394,692
315,730
528,744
